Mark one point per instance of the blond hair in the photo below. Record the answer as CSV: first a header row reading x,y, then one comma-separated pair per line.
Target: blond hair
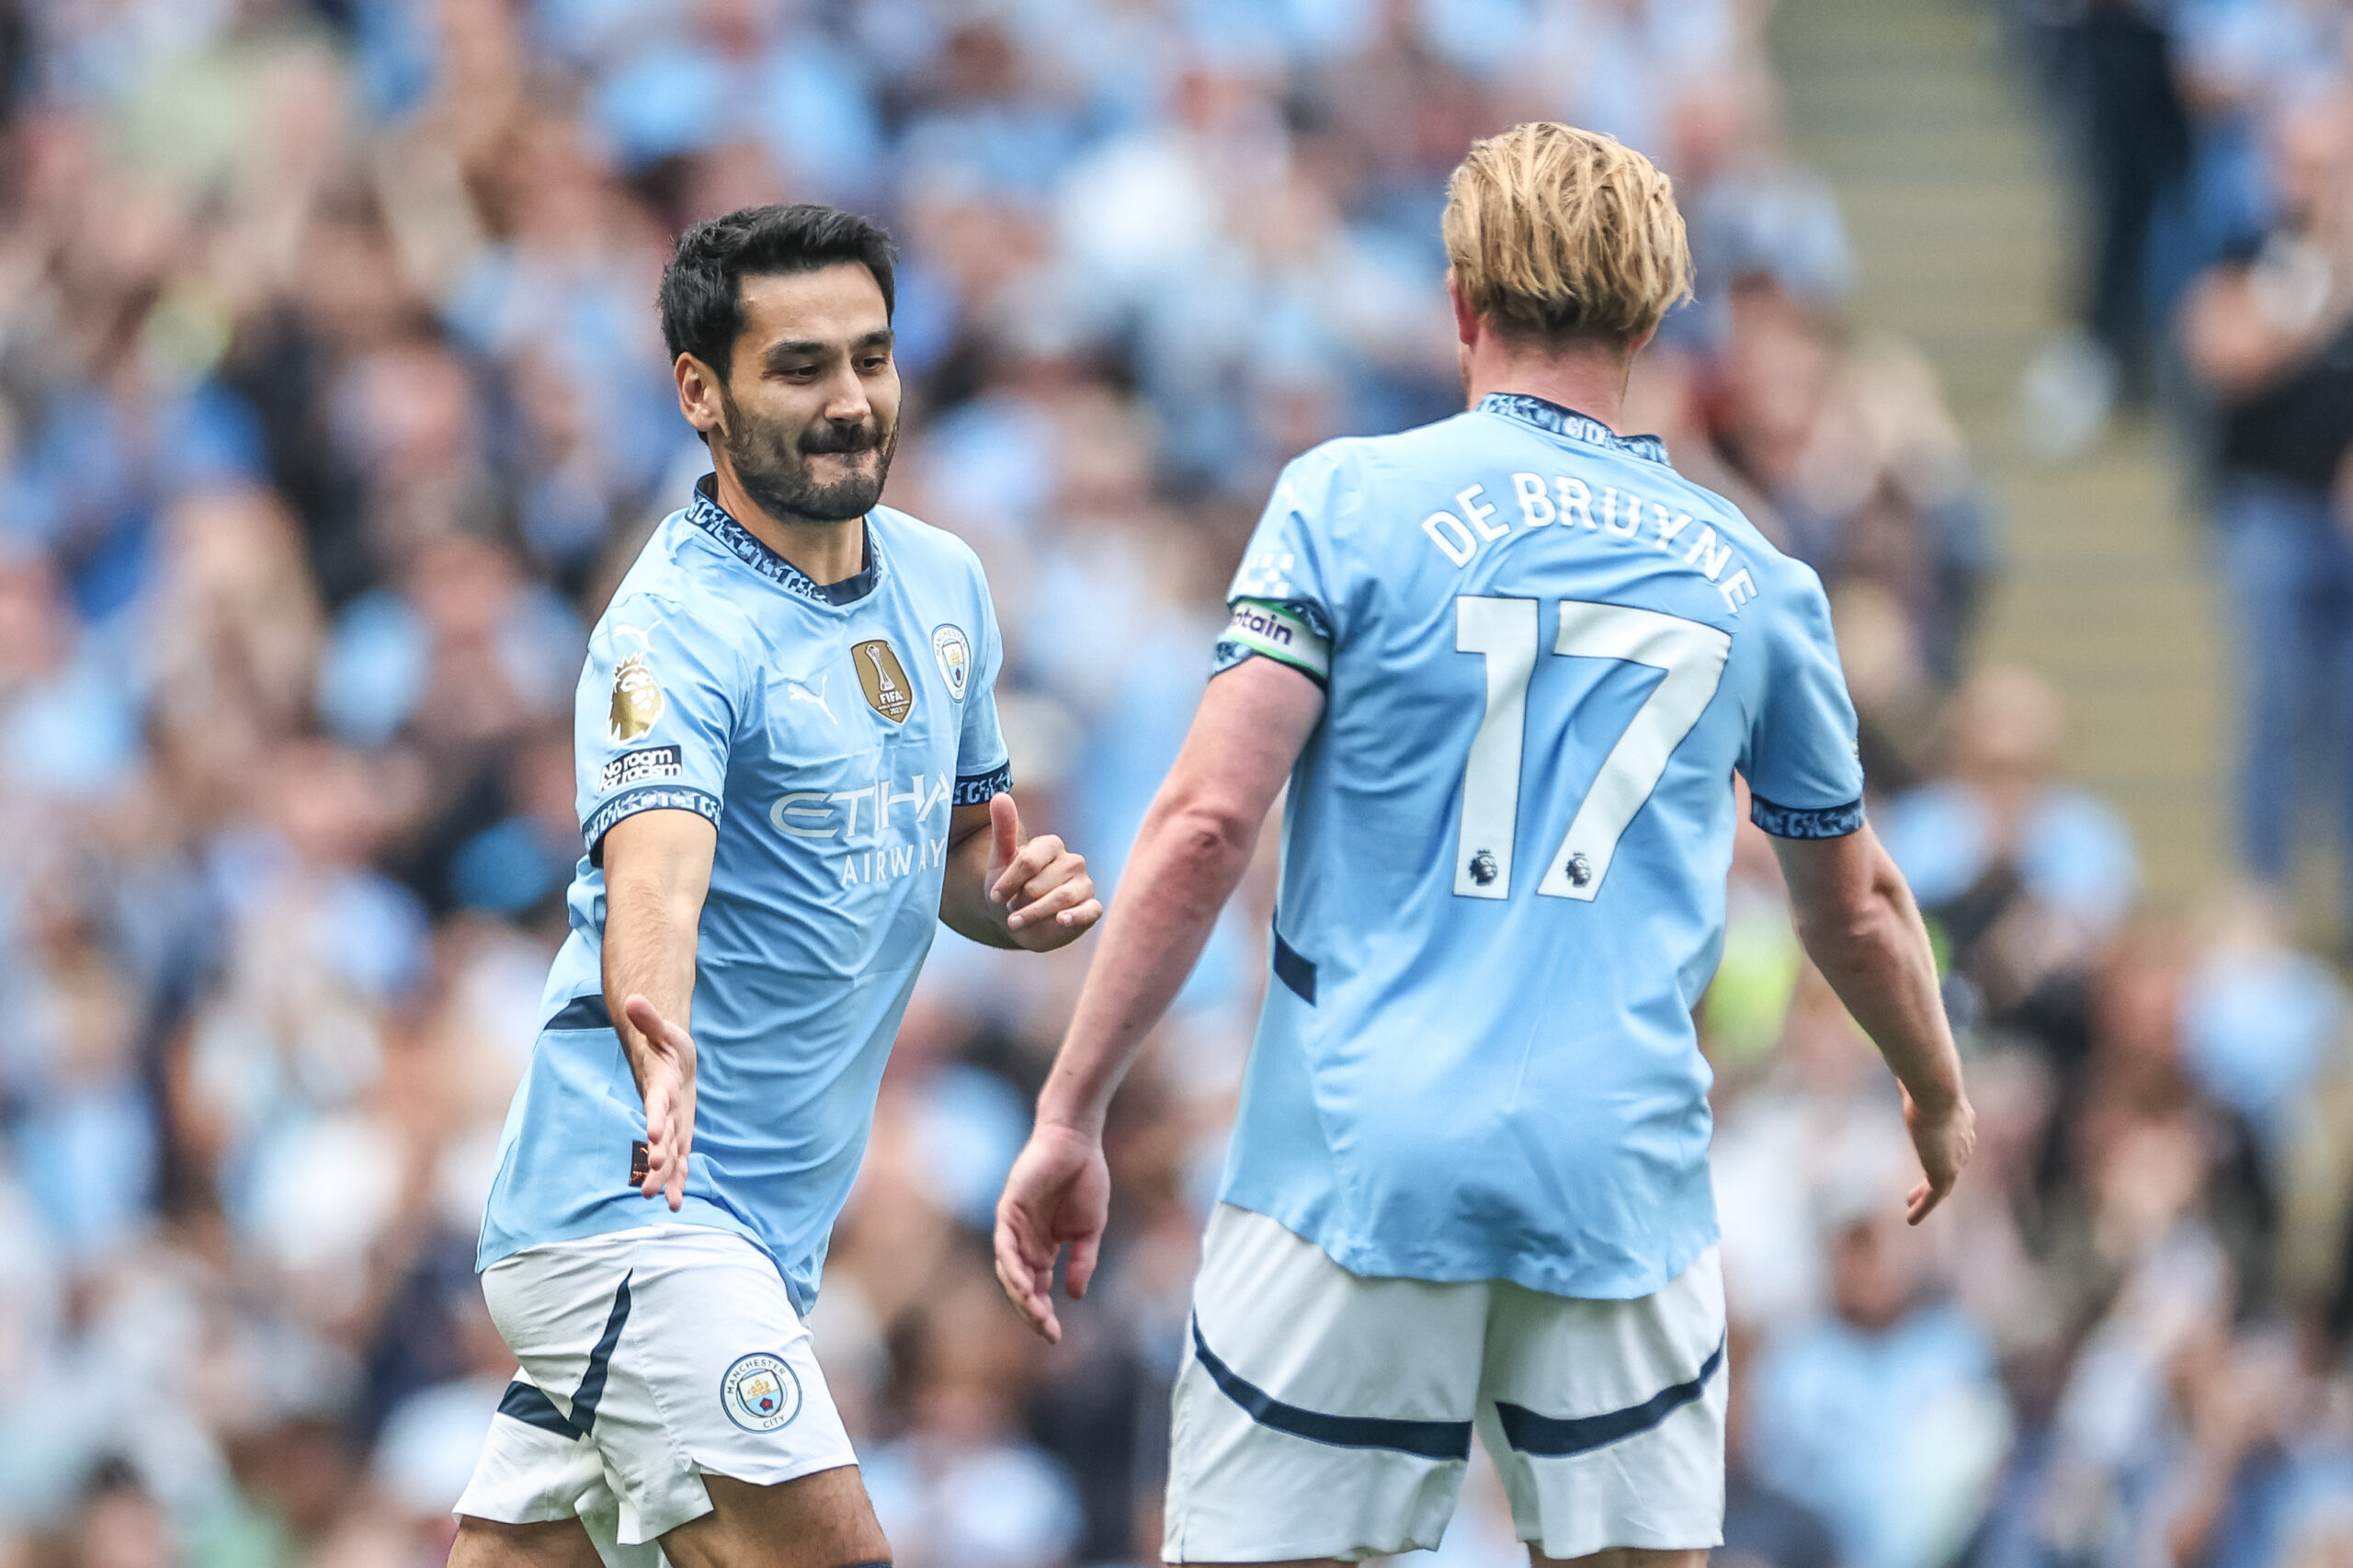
x,y
1560,235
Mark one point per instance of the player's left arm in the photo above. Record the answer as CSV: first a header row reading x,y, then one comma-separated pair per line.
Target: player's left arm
x,y
1855,917
1009,891
1196,842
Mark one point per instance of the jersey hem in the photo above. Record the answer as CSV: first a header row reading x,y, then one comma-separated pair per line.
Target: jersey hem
x,y
1369,1261
698,1215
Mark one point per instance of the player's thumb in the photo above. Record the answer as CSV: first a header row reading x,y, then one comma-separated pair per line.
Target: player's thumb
x,y
1004,830
647,1017
1082,1264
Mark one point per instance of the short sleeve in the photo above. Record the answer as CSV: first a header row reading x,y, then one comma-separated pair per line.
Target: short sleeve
x,y
655,716
1285,605
1805,776
983,768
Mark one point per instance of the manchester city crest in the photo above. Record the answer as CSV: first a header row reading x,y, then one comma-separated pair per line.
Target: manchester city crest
x,y
760,1392
955,655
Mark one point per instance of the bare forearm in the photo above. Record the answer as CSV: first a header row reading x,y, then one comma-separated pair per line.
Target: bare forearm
x,y
1187,864
1878,960
650,938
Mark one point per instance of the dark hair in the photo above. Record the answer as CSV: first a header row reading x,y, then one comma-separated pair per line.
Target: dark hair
x,y
702,293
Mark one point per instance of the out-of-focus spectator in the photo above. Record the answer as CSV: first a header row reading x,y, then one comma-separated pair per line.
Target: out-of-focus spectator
x,y
2025,875
1884,1415
2116,83
2271,333
1865,472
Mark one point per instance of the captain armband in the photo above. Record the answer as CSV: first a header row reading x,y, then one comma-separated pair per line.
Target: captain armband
x,y
1278,631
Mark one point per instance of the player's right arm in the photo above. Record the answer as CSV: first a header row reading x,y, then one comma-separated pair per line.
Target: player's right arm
x,y
1862,929
1274,663
1195,844
657,870
653,723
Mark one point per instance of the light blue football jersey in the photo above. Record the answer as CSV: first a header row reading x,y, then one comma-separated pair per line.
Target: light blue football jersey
x,y
828,732
1505,847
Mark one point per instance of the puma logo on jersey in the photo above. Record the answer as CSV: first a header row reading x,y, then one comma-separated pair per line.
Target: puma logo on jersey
x,y
796,692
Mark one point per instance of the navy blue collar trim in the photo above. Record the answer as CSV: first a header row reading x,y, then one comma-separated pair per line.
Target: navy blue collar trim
x,y
1546,414
705,511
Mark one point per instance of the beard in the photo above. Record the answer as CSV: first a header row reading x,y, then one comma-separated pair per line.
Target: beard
x,y
776,467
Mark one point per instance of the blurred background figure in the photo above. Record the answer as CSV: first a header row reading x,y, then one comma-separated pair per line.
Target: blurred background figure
x,y
333,402
2268,331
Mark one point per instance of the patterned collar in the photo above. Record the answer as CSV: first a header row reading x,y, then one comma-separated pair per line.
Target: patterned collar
x,y
705,511
1549,415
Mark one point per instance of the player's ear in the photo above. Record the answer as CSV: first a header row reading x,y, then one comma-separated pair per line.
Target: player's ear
x,y
1466,320
699,395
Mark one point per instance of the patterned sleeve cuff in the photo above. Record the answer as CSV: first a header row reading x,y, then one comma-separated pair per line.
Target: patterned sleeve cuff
x,y
651,797
1819,821
978,789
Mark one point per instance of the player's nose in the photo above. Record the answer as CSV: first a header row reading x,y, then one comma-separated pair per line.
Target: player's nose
x,y
845,399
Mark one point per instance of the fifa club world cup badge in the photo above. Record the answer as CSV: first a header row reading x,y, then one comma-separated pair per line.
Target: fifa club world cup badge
x,y
760,1392
883,679
955,655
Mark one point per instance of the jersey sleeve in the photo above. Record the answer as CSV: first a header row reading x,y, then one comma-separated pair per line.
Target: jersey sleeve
x,y
1286,605
1805,776
983,768
654,717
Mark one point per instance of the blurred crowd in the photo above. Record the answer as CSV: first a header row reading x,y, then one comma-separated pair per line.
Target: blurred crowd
x,y
2214,139
333,405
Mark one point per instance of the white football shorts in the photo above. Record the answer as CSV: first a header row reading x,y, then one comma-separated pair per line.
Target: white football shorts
x,y
1323,1413
651,1358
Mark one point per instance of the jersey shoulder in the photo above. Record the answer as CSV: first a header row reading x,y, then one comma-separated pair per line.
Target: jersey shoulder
x,y
682,577
918,546
1354,466
1777,568
1340,495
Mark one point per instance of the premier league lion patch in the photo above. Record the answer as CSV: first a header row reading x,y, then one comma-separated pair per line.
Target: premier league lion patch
x,y
760,1392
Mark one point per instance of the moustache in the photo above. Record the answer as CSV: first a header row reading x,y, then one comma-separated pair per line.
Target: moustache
x,y
835,438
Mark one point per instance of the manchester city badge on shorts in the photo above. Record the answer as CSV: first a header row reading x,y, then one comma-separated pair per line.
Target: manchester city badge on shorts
x,y
760,1392
955,655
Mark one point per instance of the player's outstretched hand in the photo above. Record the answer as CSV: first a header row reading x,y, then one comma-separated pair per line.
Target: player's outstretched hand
x,y
668,1080
1944,1140
1050,899
1059,1193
